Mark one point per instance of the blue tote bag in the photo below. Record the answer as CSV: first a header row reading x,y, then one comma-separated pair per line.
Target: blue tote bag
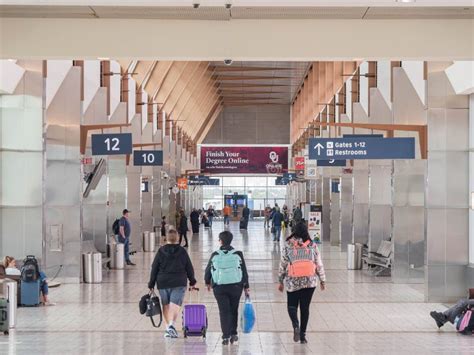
x,y
247,319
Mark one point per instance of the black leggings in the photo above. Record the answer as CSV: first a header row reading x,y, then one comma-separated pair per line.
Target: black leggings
x,y
301,298
181,235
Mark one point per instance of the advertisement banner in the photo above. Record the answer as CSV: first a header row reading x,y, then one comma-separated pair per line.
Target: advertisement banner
x,y
244,160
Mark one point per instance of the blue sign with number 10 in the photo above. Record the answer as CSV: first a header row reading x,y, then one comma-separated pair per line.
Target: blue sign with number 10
x,y
111,144
148,157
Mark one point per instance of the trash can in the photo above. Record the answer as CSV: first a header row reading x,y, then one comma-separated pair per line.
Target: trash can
x,y
10,292
354,256
92,267
116,255
148,241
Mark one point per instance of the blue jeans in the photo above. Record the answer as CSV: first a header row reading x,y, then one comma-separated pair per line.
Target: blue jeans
x,y
126,246
43,284
210,218
277,232
226,219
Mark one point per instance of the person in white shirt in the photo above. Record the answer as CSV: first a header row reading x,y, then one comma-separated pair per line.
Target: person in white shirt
x,y
10,266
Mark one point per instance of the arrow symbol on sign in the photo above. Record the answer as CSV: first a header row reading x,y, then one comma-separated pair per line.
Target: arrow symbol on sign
x,y
318,147
331,161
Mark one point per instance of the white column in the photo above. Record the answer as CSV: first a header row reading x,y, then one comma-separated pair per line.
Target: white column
x,y
471,178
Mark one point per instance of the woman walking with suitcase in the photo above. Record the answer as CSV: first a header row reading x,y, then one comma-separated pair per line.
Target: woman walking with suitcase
x,y
170,272
226,274
300,268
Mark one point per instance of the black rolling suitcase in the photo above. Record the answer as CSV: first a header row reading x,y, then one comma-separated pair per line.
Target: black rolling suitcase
x,y
243,223
4,321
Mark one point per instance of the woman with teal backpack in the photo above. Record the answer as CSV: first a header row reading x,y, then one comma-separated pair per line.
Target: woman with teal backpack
x,y
226,274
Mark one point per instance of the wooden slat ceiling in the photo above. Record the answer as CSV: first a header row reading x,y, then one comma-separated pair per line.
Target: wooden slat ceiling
x,y
193,93
255,83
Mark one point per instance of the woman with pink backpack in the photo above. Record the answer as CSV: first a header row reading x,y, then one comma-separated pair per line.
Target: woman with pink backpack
x,y
300,268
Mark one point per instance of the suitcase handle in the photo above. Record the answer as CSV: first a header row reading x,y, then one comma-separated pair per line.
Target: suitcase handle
x,y
4,316
190,291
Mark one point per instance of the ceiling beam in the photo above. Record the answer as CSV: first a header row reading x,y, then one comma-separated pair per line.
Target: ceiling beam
x,y
239,85
251,77
233,91
219,68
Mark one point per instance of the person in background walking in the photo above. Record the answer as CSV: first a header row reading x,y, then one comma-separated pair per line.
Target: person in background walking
x,y
210,215
297,215
194,216
226,274
125,231
246,215
183,228
300,267
170,271
163,227
266,212
286,217
226,212
277,221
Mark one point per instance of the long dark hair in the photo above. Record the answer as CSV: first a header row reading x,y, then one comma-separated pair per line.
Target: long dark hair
x,y
300,231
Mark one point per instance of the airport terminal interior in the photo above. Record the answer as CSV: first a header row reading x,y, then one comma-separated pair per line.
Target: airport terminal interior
x,y
125,124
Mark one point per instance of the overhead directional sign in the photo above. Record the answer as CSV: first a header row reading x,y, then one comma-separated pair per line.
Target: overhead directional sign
x,y
332,162
148,157
111,144
361,148
201,180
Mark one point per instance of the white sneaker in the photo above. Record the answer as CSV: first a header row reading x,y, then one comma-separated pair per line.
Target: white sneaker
x,y
172,331
50,304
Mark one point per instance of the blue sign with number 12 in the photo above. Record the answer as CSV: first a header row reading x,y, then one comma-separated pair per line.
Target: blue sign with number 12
x,y
111,144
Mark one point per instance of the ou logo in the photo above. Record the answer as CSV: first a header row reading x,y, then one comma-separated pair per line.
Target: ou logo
x,y
273,157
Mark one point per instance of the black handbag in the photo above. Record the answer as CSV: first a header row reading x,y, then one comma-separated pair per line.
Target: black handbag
x,y
149,305
273,230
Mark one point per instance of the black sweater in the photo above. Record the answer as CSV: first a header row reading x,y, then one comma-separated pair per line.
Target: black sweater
x,y
172,267
208,275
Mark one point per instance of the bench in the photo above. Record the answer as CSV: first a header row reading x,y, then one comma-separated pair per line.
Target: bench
x,y
380,262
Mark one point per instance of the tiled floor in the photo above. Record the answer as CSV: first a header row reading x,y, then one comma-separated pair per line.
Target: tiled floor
x,y
356,314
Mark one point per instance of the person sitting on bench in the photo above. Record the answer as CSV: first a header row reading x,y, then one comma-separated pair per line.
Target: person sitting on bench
x,y
451,313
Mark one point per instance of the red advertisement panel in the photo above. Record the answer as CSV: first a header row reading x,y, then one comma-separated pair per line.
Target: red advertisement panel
x,y
244,160
299,163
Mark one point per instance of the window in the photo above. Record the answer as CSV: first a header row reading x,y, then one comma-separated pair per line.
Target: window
x,y
260,190
233,181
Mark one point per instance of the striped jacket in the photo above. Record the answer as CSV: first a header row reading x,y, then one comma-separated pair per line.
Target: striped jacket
x,y
297,283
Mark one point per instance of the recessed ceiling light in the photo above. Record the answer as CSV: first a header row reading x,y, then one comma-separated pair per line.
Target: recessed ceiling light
x,y
103,58
406,1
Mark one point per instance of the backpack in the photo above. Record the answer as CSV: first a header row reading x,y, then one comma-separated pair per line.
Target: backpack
x,y
465,323
226,268
302,260
116,227
30,269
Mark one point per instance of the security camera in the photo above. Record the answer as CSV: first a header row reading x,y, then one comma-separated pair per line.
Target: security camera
x,y
164,175
196,4
228,5
227,61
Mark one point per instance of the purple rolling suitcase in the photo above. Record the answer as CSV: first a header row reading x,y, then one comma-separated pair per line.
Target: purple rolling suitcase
x,y
194,319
